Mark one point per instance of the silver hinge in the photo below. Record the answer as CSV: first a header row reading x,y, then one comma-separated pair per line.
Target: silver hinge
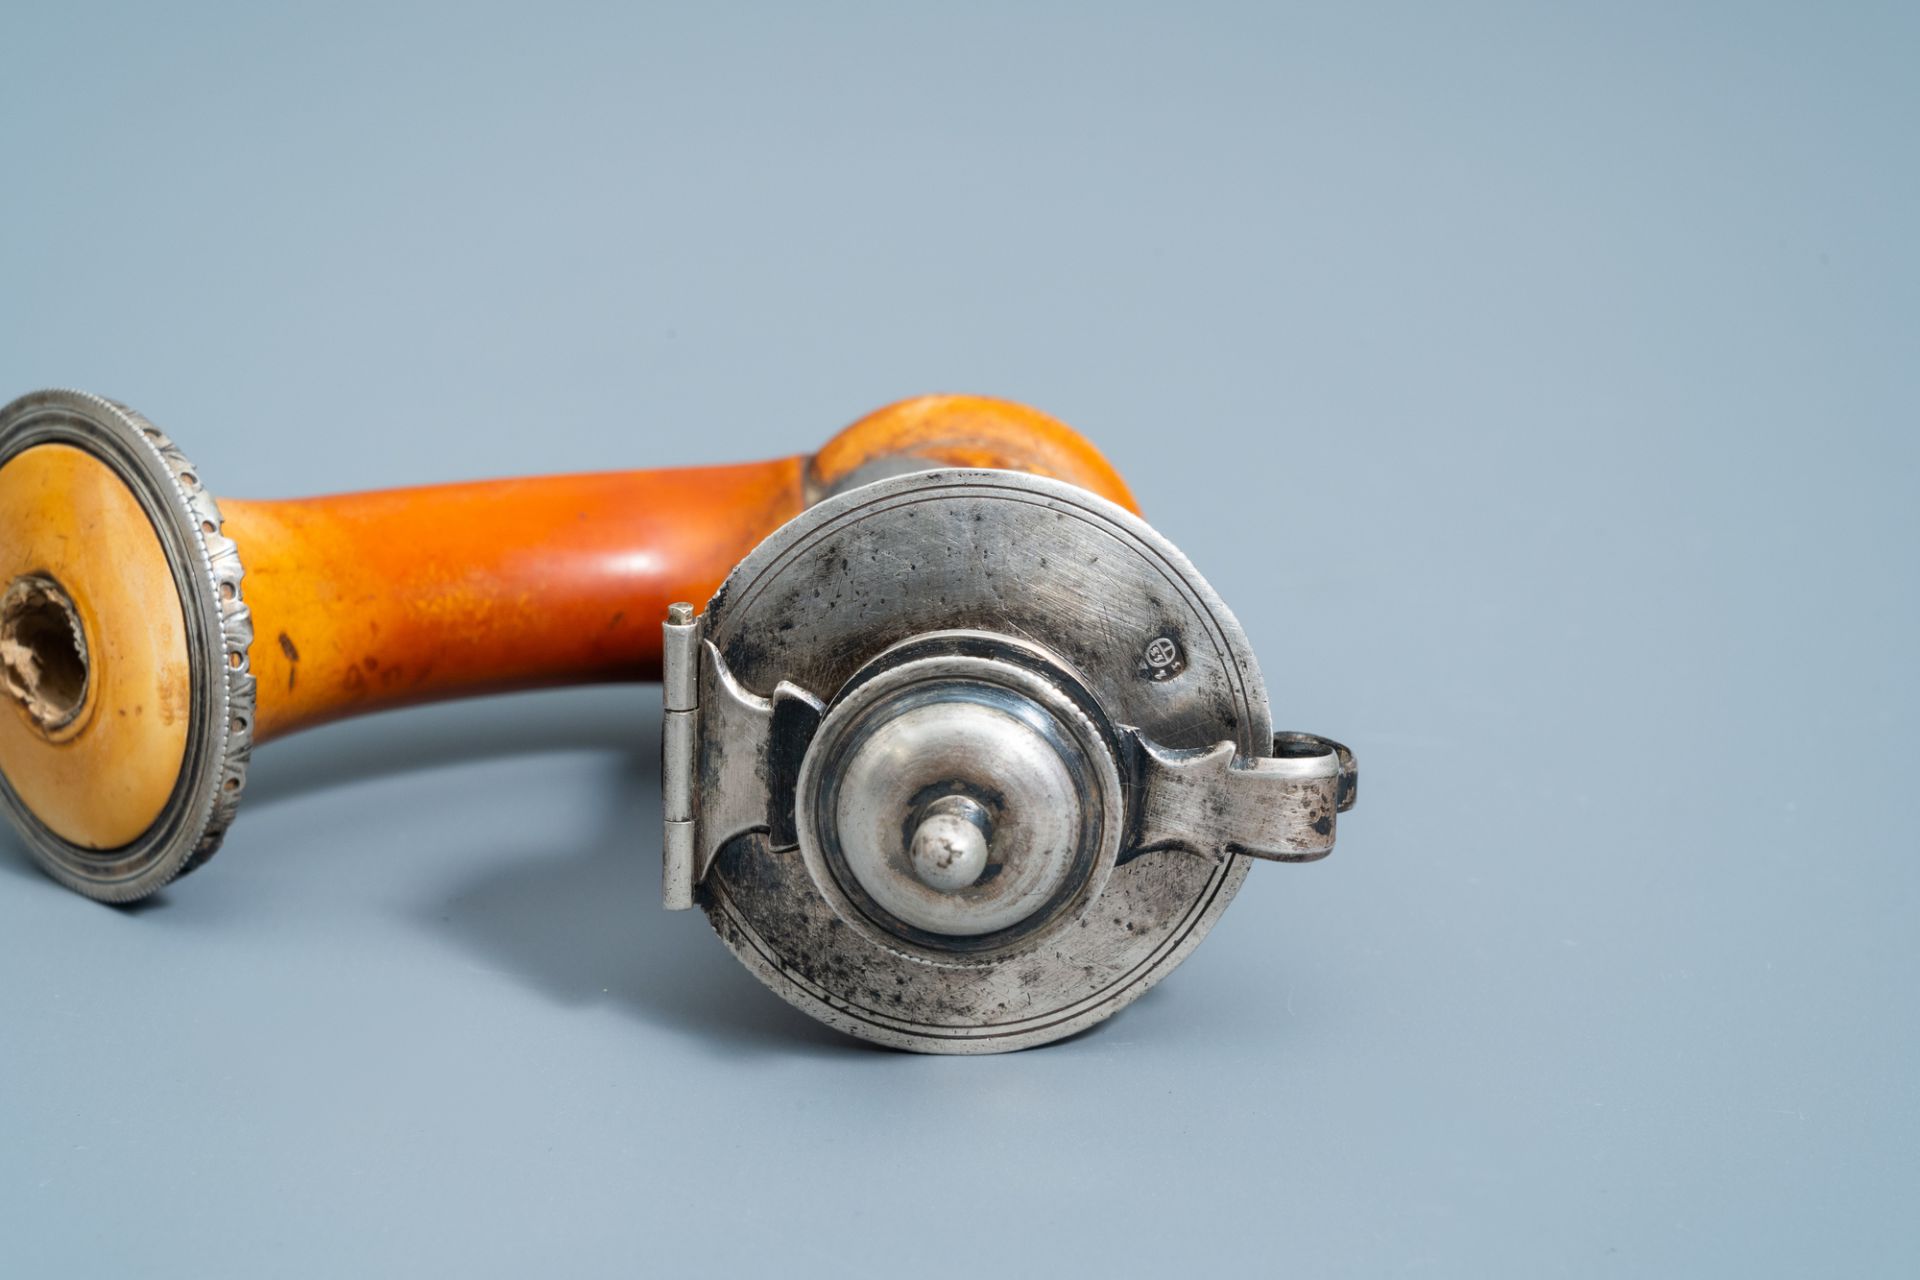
x,y
729,758
679,749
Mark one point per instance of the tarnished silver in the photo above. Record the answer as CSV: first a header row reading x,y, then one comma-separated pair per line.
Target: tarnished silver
x,y
946,717
722,766
207,574
951,843
964,761
680,689
1279,807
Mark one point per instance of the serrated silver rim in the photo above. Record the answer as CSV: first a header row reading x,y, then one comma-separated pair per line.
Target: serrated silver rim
x,y
207,573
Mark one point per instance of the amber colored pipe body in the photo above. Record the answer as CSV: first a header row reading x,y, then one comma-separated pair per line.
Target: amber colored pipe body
x,y
375,600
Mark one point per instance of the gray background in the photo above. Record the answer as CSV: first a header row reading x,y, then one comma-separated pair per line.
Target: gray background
x,y
1560,365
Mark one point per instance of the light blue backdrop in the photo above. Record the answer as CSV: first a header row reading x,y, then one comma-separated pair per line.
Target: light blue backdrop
x,y
1539,383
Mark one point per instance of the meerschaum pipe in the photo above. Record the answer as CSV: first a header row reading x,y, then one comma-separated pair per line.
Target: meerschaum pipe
x,y
151,635
960,756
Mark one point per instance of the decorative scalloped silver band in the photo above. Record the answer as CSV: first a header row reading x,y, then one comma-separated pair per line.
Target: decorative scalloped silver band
x,y
207,573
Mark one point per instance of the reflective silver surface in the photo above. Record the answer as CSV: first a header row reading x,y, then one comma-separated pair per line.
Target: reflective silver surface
x,y
952,840
939,721
999,639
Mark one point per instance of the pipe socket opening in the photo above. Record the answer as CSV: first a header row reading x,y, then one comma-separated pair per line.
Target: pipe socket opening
x,y
43,652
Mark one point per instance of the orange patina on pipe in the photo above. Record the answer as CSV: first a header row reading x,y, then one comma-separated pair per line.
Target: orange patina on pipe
x,y
374,600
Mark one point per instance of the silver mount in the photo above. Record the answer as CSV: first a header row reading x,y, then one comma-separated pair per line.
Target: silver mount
x,y
964,761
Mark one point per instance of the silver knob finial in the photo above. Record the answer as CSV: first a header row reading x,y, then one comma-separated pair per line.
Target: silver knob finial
x,y
949,849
